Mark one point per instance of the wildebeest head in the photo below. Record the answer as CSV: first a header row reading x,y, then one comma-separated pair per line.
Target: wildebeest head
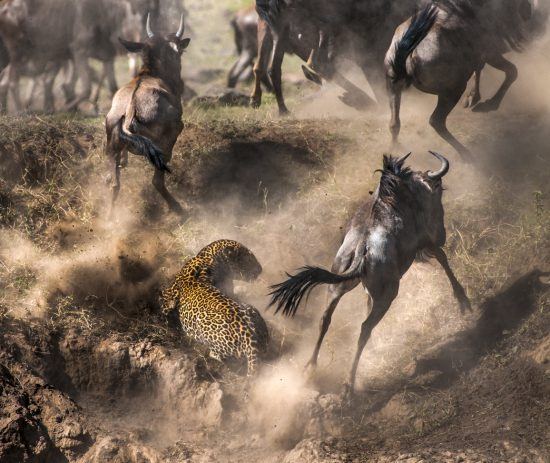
x,y
415,195
161,53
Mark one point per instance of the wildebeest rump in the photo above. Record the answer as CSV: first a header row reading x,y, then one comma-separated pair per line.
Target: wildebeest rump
x,y
440,47
145,116
402,220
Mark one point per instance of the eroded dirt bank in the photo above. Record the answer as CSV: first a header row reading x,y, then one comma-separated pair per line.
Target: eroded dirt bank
x,y
91,372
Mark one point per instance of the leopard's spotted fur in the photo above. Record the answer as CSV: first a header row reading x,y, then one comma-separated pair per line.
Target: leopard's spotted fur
x,y
209,315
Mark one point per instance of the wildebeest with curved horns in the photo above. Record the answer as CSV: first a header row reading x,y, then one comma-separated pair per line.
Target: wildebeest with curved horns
x,y
403,219
145,116
442,45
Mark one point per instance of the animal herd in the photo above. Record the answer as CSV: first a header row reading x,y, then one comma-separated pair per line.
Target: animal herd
x,y
434,45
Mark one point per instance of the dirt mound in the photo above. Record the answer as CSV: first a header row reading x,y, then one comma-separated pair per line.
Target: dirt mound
x,y
97,374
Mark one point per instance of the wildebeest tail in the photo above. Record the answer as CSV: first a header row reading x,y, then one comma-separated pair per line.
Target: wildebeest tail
x,y
142,146
421,23
269,10
288,294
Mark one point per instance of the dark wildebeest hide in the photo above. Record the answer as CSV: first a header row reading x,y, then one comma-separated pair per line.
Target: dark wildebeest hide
x,y
402,220
439,48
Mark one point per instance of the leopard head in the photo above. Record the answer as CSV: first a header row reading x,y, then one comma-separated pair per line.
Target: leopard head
x,y
241,263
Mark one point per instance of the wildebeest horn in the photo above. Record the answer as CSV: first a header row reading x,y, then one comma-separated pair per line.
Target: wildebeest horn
x,y
181,28
444,167
150,33
402,159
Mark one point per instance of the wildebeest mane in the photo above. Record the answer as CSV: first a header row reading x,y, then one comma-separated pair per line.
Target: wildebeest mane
x,y
393,176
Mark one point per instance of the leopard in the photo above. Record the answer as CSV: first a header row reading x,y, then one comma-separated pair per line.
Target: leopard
x,y
202,295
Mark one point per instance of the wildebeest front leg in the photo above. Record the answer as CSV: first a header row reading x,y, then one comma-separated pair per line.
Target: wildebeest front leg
x,y
83,71
438,120
474,96
260,67
458,290
275,70
238,69
511,72
49,79
381,304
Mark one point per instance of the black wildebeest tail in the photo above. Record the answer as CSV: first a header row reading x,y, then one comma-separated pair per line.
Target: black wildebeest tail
x,y
142,146
421,23
288,294
269,10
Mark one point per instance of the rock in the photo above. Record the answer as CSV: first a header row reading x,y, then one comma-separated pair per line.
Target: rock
x,y
541,354
115,450
315,451
216,97
22,436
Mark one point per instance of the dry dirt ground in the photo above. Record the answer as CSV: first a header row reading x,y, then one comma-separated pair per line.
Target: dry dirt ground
x,y
90,371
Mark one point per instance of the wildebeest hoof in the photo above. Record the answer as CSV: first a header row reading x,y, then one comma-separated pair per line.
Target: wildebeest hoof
x,y
485,106
180,211
309,369
255,102
312,75
471,100
464,304
284,112
348,394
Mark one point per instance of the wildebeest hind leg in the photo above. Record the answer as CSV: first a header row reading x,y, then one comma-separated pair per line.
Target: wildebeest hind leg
x,y
511,72
335,293
438,120
474,96
159,184
458,290
381,304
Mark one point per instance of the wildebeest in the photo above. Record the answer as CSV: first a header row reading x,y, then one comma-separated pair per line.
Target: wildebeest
x,y
298,25
36,37
442,45
356,30
41,37
245,30
145,116
402,220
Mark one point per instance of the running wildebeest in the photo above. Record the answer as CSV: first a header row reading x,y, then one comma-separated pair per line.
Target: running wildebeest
x,y
145,116
442,45
286,25
402,220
